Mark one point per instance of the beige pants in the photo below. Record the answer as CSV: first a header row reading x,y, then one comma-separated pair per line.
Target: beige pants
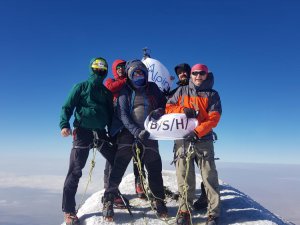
x,y
203,153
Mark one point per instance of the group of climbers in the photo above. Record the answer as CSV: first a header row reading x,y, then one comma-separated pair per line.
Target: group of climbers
x,y
114,115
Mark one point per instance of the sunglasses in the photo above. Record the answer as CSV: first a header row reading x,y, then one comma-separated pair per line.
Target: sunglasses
x,y
120,67
202,73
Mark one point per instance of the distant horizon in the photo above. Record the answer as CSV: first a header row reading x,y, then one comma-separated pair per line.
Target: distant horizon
x,y
166,157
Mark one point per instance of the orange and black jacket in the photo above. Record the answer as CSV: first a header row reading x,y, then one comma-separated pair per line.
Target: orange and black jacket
x,y
204,100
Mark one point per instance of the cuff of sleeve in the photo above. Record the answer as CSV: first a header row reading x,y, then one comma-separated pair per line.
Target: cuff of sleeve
x,y
65,126
197,134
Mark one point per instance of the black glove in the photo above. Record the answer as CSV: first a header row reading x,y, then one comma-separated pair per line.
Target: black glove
x,y
144,135
191,137
156,114
190,113
100,137
166,92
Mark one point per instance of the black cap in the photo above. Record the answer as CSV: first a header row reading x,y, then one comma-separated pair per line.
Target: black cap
x,y
184,66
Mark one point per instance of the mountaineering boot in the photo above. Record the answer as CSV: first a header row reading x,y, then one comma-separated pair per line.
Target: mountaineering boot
x,y
160,207
183,218
119,203
140,191
201,203
212,220
71,219
108,204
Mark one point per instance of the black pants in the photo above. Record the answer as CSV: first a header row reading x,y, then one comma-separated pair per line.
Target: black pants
x,y
82,143
109,163
150,157
108,168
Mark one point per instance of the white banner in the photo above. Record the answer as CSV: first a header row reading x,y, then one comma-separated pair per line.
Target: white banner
x,y
158,74
172,126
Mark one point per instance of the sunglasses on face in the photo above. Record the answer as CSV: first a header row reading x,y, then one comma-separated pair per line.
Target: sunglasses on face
x,y
202,73
120,67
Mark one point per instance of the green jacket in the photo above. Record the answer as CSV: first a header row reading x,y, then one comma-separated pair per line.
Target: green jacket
x,y
93,104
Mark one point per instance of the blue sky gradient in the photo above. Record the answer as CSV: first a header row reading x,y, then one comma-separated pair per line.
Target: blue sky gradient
x,y
252,47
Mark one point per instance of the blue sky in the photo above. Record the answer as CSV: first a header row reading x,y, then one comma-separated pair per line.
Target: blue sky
x,y
252,47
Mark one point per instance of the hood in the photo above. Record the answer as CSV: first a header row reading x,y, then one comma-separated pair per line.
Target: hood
x,y
206,85
114,67
133,65
94,78
185,67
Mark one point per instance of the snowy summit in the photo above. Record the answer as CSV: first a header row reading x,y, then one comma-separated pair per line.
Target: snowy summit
x,y
237,208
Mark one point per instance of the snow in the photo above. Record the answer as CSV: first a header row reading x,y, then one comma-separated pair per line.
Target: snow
x,y
237,207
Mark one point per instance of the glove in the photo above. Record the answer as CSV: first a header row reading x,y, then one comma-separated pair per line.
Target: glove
x,y
156,114
191,137
167,92
190,113
144,135
100,137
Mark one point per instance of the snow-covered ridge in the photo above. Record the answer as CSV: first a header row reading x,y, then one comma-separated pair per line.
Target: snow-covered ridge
x,y
237,208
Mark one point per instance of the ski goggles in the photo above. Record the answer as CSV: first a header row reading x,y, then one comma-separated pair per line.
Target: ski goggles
x,y
120,67
99,64
201,73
